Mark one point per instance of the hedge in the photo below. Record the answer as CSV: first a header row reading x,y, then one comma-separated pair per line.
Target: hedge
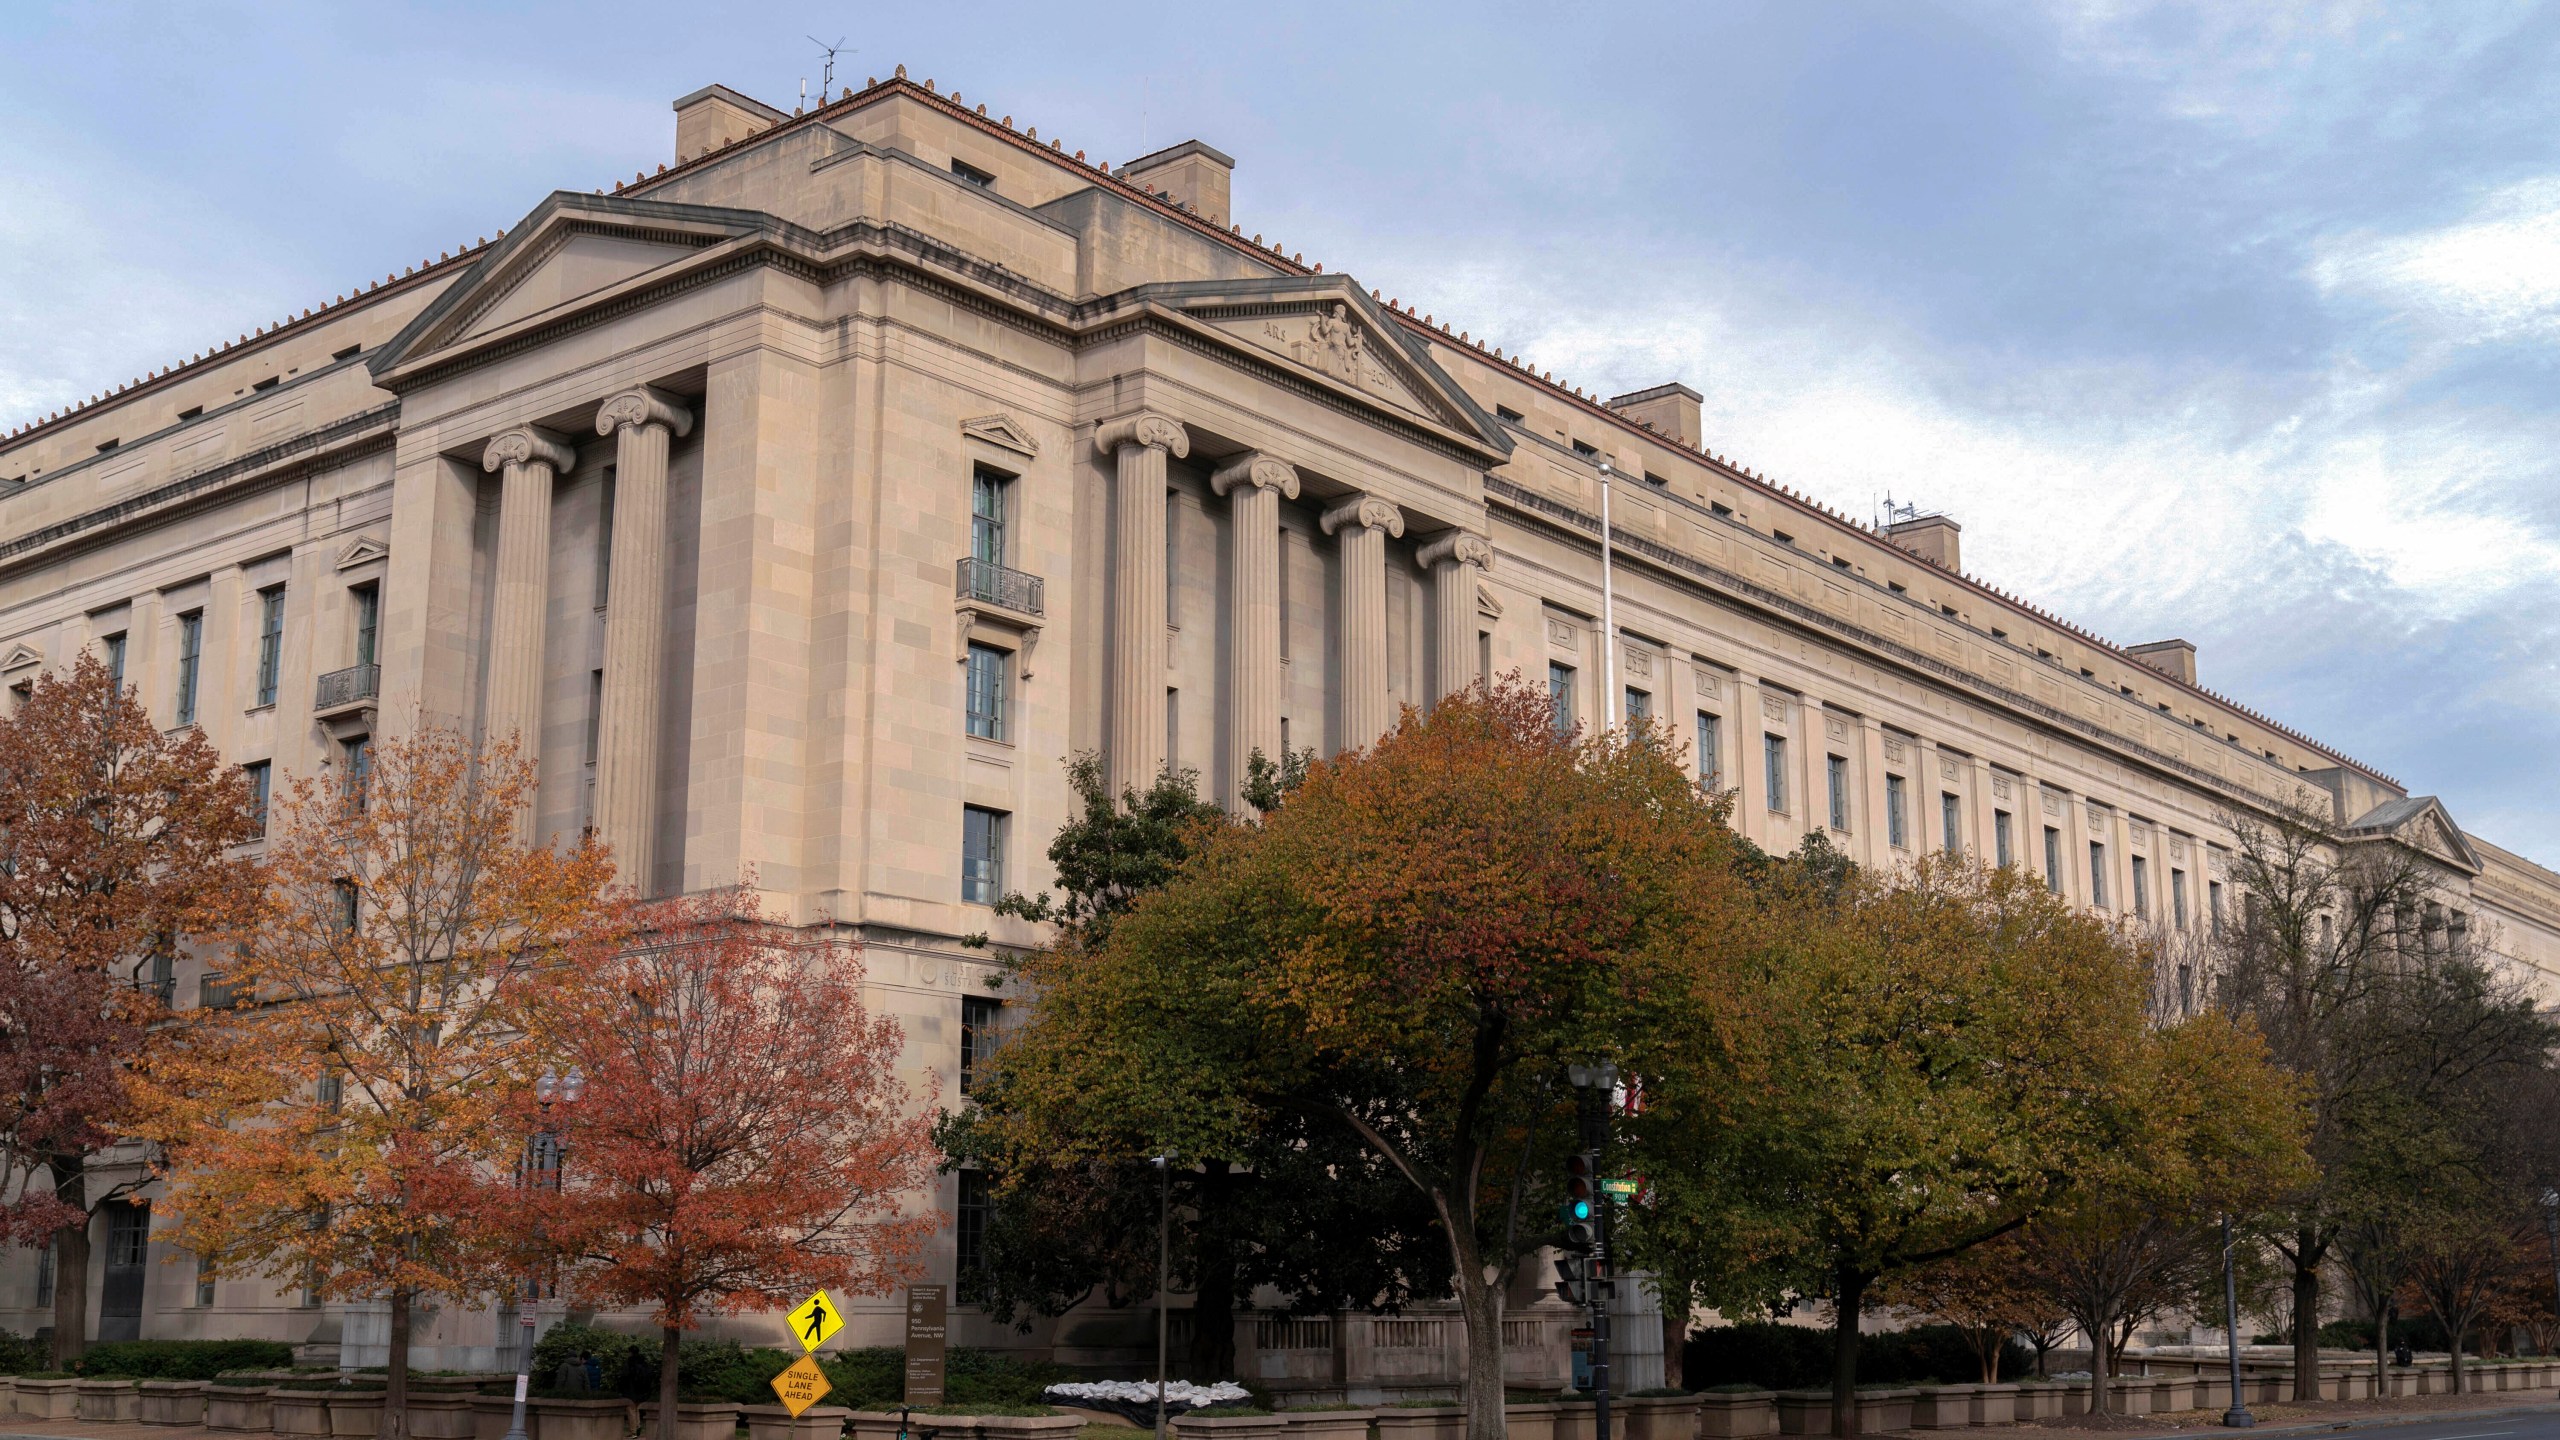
x,y
181,1359
723,1370
1798,1357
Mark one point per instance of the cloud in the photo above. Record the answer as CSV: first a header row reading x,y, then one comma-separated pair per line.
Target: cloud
x,y
2492,276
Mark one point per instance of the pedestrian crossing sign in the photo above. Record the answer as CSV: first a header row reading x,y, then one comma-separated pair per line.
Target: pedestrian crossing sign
x,y
815,1320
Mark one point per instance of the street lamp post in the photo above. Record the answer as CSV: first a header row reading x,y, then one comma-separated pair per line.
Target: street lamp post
x,y
1594,1085
1164,1274
2551,1228
2238,1416
547,1091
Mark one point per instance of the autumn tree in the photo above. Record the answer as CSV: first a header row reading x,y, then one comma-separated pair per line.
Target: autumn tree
x,y
1410,950
115,851
750,1137
1983,1292
345,1124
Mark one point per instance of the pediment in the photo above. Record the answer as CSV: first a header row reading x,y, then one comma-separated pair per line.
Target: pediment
x,y
1488,604
1327,339
579,265
20,656
2423,824
1003,432
361,550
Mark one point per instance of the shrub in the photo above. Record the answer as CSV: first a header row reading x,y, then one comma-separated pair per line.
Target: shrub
x,y
181,1359
20,1354
1766,1356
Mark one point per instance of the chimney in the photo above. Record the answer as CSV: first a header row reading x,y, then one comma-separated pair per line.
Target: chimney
x,y
1193,173
715,115
1931,537
1672,411
2169,657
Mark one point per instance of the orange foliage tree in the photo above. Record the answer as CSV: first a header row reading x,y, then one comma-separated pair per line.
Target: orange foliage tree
x,y
345,1122
748,1136
1411,948
115,848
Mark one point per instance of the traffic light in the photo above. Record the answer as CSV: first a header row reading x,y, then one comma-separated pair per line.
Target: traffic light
x,y
1580,1201
1573,1279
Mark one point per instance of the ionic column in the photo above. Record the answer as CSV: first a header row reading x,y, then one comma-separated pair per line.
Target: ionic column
x,y
1254,485
1362,524
1456,560
1139,444
635,621
531,458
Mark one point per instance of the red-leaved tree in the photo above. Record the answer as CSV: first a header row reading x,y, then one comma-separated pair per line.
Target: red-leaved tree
x,y
115,847
745,1136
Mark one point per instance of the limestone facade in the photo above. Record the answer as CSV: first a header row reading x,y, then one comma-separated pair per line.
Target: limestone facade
x,y
804,504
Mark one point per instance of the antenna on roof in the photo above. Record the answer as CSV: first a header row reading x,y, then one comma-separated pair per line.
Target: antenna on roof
x,y
827,83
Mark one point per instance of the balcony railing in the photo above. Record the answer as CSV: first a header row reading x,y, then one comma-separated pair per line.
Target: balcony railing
x,y
991,584
353,685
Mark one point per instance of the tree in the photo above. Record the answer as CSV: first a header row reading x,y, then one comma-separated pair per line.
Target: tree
x,y
751,1137
1410,949
117,839
346,1123
2342,957
1946,1051
2214,1130
1983,1292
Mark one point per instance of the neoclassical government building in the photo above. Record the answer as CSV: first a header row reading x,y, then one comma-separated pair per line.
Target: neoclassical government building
x,y
808,499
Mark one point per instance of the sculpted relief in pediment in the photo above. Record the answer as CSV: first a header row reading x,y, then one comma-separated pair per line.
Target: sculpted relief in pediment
x,y
1329,341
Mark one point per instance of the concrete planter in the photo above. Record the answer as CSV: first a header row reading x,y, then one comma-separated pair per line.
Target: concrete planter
x,y
2041,1400
300,1412
1537,1421
604,1419
8,1393
173,1402
355,1414
1734,1414
1995,1404
112,1401
1652,1417
1804,1412
229,1406
709,1421
1036,1427
1224,1427
2171,1394
1882,1410
1328,1424
440,1414
1943,1407
1422,1422
49,1399
491,1414
2126,1395
772,1422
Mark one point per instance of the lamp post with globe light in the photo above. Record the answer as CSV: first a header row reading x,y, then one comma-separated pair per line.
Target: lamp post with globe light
x,y
2238,1416
541,1170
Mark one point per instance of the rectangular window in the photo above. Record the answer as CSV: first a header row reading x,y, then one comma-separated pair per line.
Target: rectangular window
x,y
2213,906
128,1236
1639,705
190,663
2178,898
1484,653
1505,412
1773,759
982,855
204,1283
359,772
1560,696
978,1017
987,515
1951,821
1838,768
2097,874
604,539
987,666
1710,751
163,982
368,621
270,642
44,1274
2003,853
971,1227
2141,887
1897,813
350,912
2053,860
115,657
983,179
1172,728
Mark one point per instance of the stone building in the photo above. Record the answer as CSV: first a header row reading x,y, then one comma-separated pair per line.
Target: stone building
x,y
808,499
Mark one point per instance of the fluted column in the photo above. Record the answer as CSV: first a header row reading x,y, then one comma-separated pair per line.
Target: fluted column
x,y
643,422
1254,485
1456,560
1138,444
531,458
1362,525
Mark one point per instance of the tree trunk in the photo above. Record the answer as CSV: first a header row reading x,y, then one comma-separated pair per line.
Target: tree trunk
x,y
1213,1289
1480,1305
1675,1343
395,1383
70,1292
2306,1316
1849,1298
2381,1350
670,1350
2456,1340
2098,1397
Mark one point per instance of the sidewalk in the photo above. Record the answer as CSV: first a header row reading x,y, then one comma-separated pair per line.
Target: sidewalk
x,y
2289,1417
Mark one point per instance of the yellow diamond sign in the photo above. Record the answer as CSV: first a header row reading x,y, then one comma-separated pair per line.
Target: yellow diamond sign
x,y
801,1386
815,1320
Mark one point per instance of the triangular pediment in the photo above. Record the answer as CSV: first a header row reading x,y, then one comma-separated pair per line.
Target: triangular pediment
x,y
2423,824
20,656
1003,432
362,549
572,254
1329,330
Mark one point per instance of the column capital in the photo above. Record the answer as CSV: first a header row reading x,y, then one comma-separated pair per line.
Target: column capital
x,y
1147,427
528,445
1366,511
643,405
1259,470
1458,546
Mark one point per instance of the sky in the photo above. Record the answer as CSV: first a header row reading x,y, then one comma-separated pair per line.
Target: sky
x,y
2234,323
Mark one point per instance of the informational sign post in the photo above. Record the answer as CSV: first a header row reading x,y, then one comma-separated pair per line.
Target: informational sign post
x,y
927,1337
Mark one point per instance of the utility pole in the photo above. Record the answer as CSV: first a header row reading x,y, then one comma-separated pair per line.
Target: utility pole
x,y
2238,1416
1587,1221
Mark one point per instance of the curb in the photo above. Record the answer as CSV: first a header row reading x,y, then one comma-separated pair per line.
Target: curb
x,y
2361,1422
